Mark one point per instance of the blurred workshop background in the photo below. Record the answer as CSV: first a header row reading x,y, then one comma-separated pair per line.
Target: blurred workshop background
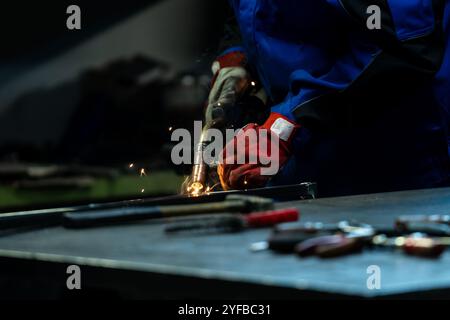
x,y
87,114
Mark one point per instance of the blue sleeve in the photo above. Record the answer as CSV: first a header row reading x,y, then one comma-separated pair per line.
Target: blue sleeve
x,y
407,45
404,19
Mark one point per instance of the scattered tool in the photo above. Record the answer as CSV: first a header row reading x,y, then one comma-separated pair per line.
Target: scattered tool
x,y
349,239
435,225
415,244
329,246
233,203
235,223
286,237
419,236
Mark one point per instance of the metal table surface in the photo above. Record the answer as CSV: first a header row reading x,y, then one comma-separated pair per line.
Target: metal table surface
x,y
141,261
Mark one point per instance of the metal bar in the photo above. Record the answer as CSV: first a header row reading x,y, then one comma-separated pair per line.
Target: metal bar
x,y
54,216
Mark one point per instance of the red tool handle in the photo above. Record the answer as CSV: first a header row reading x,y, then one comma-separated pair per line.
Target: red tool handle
x,y
271,218
424,247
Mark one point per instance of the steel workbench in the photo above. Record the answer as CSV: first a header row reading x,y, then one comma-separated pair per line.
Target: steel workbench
x,y
140,261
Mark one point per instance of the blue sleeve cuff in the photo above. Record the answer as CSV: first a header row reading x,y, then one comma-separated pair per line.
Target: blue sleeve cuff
x,y
232,49
284,109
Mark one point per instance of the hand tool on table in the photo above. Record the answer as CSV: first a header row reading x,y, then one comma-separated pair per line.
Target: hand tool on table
x,y
329,246
434,225
233,203
313,227
235,223
330,240
416,244
354,238
350,238
286,237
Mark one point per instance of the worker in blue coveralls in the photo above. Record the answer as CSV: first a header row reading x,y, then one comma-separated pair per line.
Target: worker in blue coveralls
x,y
357,109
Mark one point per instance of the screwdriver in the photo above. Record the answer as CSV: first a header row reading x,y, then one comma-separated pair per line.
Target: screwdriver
x,y
429,227
232,203
329,246
235,223
350,239
415,244
286,237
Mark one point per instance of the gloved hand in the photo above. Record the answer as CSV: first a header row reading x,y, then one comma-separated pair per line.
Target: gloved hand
x,y
245,162
231,80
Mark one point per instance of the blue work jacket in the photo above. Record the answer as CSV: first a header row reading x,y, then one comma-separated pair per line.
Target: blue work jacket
x,y
374,104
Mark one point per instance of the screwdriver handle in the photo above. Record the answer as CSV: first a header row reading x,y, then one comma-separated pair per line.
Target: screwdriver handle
x,y
431,229
271,218
237,222
112,216
228,223
423,247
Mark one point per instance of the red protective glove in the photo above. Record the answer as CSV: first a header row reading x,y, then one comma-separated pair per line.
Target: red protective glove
x,y
258,154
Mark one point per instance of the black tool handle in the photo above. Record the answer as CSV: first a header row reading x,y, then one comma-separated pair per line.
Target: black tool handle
x,y
26,220
228,223
431,229
285,242
111,216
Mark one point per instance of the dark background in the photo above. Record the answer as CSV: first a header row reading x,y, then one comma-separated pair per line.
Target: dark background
x,y
105,95
53,79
